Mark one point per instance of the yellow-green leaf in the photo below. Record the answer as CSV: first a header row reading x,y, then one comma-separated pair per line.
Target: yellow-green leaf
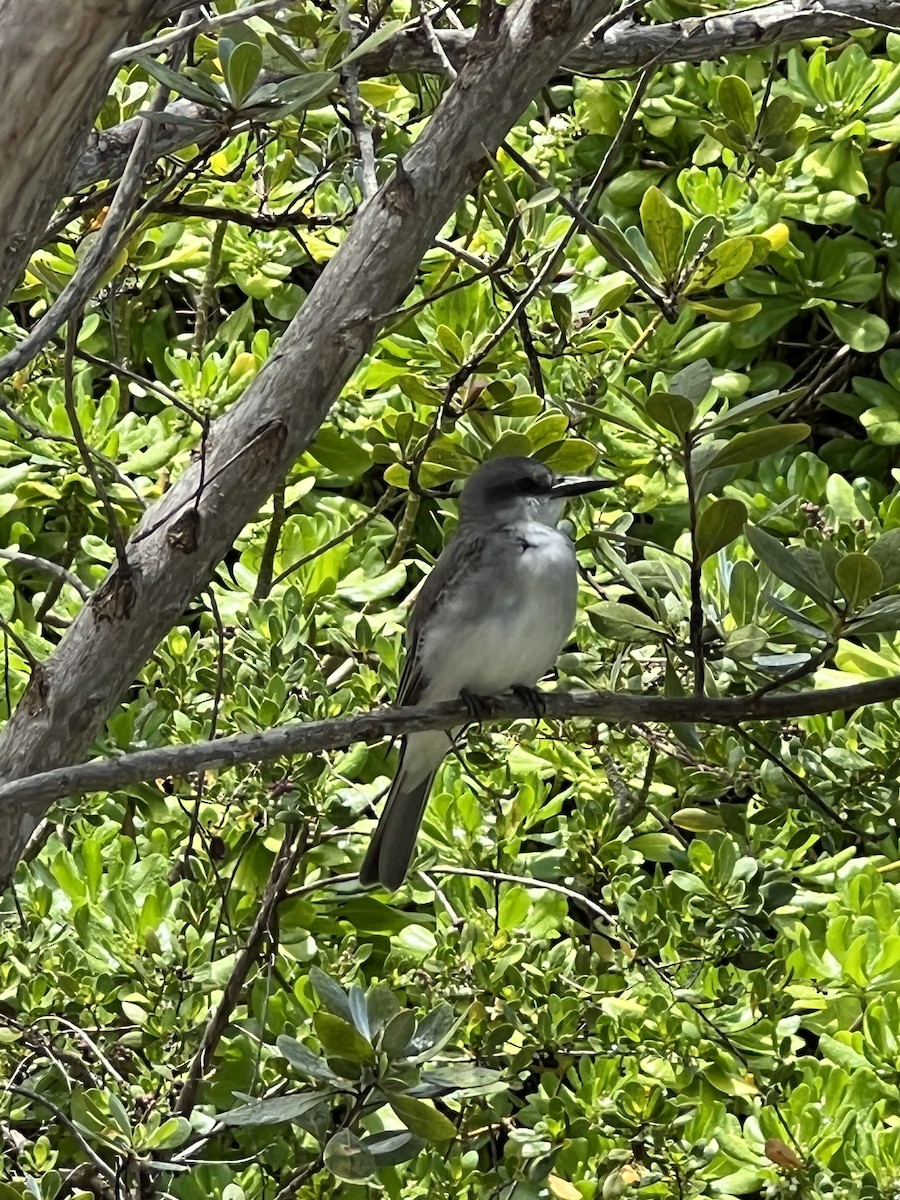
x,y
663,230
758,443
423,1119
736,102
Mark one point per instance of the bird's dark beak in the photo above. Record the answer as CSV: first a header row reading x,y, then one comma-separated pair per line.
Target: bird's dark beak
x,y
578,485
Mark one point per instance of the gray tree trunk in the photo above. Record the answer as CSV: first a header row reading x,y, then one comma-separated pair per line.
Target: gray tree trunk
x,y
53,79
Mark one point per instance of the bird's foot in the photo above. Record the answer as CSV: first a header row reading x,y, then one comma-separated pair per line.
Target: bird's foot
x,y
477,705
531,697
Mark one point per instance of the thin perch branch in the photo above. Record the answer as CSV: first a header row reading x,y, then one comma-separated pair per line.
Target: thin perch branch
x,y
313,737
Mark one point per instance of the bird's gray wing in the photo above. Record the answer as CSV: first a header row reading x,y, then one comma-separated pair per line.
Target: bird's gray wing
x,y
461,557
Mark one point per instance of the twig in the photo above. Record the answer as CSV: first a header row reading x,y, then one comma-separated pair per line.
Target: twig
x,y
180,869
151,385
287,219
270,548
360,130
142,49
115,533
358,524
578,213
802,669
529,881
313,737
52,568
86,1041
279,877
550,267
578,217
208,290
103,250
300,1177
23,650
87,1149
824,808
437,49
696,616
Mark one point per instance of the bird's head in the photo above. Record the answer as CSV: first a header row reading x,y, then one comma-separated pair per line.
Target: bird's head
x,y
511,488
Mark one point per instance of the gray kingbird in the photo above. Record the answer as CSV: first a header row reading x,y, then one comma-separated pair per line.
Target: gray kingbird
x,y
492,615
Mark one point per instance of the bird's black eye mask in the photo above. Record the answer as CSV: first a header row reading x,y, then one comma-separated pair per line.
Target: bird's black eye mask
x,y
511,489
533,487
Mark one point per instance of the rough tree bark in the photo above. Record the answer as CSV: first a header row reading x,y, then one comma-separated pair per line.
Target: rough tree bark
x,y
53,79
179,541
335,733
625,46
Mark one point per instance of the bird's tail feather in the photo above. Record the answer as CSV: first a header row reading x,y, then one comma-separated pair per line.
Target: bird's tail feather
x,y
388,857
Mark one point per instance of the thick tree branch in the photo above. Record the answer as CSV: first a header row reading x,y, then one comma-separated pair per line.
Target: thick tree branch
x,y
624,47
183,536
55,75
628,45
314,737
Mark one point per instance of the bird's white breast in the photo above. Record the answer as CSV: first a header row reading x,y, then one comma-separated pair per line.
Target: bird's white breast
x,y
507,625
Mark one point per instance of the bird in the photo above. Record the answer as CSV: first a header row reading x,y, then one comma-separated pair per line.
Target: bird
x,y
492,616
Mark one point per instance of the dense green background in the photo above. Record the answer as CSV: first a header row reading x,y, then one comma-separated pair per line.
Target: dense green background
x,y
730,1027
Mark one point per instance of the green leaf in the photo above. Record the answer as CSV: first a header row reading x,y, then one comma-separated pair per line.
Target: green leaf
x,y
693,381
273,1110
240,53
173,1132
347,1158
724,136
331,994
359,1013
671,412
340,1038
736,102
881,616
727,310
515,905
886,552
180,84
459,1079
303,1059
663,230
301,91
779,115
697,820
449,342
723,263
743,592
383,1005
755,406
656,847
397,1035
858,577
743,643
370,44
801,567
420,391
622,622
393,1146
423,1119
860,330
434,1031
718,525
758,443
